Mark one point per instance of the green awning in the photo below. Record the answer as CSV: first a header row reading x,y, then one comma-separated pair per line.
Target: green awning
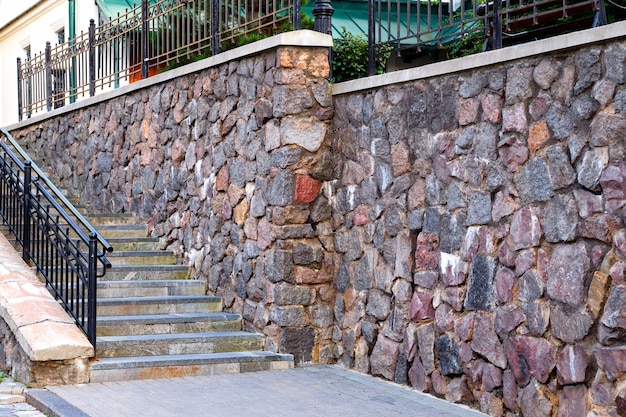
x,y
111,8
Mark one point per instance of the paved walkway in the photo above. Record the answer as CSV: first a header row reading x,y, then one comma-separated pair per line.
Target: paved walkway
x,y
12,401
312,391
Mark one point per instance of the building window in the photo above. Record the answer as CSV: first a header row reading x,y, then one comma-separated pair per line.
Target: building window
x,y
61,36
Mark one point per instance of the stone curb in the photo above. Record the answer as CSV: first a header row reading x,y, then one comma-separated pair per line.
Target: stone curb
x,y
51,404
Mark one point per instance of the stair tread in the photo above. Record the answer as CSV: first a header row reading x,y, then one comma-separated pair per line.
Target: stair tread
x,y
150,283
187,359
168,318
167,299
151,267
200,336
140,253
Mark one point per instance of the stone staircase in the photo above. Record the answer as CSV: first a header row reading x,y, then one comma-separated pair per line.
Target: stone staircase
x,y
155,322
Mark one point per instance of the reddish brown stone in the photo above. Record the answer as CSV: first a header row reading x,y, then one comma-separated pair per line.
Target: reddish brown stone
x,y
221,179
444,318
505,282
508,317
419,380
485,341
525,229
307,189
361,215
468,111
530,356
492,107
611,360
514,119
464,326
384,357
400,159
484,375
573,401
572,365
453,269
421,306
613,182
455,297
538,134
599,227
509,390
427,252
439,383
598,290
417,196
305,275
513,153
506,255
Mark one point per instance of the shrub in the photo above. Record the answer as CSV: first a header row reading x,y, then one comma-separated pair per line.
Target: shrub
x,y
350,56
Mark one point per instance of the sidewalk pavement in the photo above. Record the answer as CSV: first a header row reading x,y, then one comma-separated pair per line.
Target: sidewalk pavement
x,y
12,400
322,390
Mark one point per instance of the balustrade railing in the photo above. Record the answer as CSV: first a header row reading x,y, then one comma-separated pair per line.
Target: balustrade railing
x,y
407,24
55,238
140,43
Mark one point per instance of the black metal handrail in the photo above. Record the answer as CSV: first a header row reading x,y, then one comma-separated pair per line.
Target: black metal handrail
x,y
55,237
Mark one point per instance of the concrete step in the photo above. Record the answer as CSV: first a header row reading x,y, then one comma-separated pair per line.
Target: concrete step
x,y
146,272
109,219
149,288
119,258
135,244
168,323
123,231
171,366
157,305
176,344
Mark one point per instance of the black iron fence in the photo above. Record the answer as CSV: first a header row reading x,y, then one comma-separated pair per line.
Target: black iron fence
x,y
161,33
55,238
139,43
406,24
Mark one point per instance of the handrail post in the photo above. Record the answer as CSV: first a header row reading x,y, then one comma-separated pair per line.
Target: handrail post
x,y
92,288
323,12
92,58
48,77
215,19
497,25
26,245
19,89
145,54
296,15
371,38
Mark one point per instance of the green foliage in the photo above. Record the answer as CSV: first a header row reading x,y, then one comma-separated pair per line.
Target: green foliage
x,y
350,56
469,45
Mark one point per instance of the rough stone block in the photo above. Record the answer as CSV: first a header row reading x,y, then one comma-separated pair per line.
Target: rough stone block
x,y
566,273
299,343
480,291
485,341
447,350
572,364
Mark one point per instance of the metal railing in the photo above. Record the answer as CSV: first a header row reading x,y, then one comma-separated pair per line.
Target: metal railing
x,y
55,238
406,24
139,43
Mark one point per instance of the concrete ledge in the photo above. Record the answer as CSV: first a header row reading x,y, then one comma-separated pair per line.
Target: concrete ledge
x,y
490,58
47,336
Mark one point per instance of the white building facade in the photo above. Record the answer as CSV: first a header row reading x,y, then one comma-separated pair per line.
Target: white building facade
x,y
26,26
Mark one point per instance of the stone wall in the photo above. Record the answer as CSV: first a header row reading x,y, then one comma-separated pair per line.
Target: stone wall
x,y
226,166
462,233
479,234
